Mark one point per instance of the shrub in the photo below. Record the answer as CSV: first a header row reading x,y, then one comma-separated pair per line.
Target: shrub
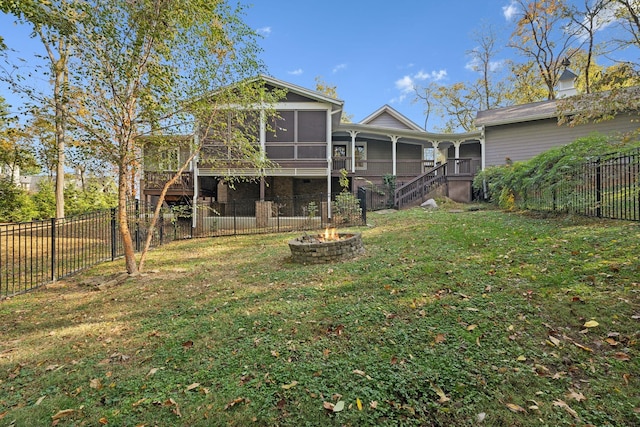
x,y
15,204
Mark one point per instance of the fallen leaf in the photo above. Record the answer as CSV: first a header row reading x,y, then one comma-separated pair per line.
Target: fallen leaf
x,y
187,344
573,395
591,324
152,371
359,404
471,327
95,383
611,342
555,341
328,406
288,386
521,358
235,401
621,356
440,393
562,404
373,404
192,386
359,372
103,421
481,416
339,406
62,414
583,347
515,408
39,401
440,338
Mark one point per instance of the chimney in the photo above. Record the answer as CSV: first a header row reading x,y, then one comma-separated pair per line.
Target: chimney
x,y
566,82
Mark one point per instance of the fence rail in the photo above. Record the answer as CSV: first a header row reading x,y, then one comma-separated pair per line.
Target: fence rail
x,y
608,187
33,254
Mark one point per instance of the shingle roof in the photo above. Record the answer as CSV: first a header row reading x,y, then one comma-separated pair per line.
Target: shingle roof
x,y
517,113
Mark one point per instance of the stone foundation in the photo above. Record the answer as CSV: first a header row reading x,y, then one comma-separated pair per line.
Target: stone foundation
x,y
311,251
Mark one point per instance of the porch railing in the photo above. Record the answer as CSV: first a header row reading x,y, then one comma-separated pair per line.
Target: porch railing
x,y
156,180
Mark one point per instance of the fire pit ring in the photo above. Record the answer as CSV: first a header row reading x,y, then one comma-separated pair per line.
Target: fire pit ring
x,y
316,250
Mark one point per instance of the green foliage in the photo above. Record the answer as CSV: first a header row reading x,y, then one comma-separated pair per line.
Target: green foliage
x,y
95,196
45,200
15,204
507,185
346,206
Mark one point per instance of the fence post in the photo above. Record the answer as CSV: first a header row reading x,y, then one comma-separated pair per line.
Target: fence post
x,y
598,189
113,234
235,216
137,230
161,231
362,197
53,249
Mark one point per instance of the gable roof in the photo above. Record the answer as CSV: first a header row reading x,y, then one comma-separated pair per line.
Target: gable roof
x,y
386,116
517,113
312,94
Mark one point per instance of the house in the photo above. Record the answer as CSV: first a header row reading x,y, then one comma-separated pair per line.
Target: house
x,y
310,148
520,132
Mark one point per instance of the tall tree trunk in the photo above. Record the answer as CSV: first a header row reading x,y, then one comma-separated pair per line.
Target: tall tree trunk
x,y
127,241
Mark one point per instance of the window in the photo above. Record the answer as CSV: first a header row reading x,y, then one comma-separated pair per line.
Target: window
x,y
312,126
361,155
282,128
429,154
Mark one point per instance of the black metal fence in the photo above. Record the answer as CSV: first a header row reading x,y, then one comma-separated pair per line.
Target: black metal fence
x,y
608,187
36,253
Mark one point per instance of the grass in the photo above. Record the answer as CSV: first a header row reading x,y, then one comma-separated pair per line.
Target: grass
x,y
465,318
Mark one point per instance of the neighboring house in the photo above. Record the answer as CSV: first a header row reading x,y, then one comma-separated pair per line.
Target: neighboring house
x,y
521,132
310,147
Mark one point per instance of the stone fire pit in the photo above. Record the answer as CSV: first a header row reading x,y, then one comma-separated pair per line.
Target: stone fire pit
x,y
321,249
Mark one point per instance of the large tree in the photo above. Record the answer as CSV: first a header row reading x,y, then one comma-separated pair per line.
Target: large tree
x,y
543,37
151,67
54,24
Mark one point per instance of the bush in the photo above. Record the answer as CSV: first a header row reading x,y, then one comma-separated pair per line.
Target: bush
x,y
15,203
507,185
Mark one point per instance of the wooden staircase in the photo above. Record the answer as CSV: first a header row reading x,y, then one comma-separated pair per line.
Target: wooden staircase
x,y
414,192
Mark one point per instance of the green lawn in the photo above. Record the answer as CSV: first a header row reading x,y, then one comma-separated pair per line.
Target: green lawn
x,y
450,318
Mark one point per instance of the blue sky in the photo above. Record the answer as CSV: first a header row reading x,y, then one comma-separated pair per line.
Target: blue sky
x,y
373,54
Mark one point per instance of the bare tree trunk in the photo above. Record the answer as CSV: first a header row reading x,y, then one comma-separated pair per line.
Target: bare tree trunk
x,y
127,241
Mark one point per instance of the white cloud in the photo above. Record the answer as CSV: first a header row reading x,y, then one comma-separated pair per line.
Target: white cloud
x,y
510,10
295,72
339,67
474,65
265,31
407,83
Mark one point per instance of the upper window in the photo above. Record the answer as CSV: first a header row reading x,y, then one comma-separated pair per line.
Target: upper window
x,y
312,126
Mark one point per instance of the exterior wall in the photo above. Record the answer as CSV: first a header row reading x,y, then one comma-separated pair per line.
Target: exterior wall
x,y
386,120
522,141
408,151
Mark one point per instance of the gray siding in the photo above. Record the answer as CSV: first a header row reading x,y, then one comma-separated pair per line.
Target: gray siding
x,y
386,120
522,141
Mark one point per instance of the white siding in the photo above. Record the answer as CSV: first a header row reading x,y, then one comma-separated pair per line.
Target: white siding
x,y
522,141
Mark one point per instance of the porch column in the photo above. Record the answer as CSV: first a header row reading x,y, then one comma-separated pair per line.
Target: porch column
x,y
456,146
435,144
196,189
263,151
329,162
394,154
353,134
482,149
